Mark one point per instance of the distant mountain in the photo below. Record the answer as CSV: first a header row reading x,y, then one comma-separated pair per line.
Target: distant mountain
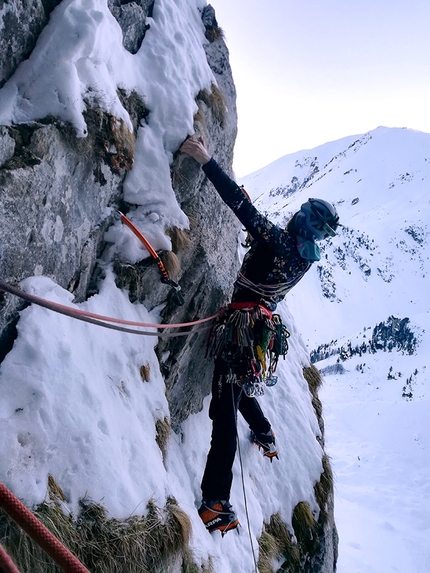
x,y
375,271
364,314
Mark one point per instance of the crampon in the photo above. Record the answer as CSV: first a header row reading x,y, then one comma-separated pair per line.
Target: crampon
x,y
218,516
266,442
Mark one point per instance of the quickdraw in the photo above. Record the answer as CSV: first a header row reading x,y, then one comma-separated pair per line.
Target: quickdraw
x,y
280,340
249,339
177,296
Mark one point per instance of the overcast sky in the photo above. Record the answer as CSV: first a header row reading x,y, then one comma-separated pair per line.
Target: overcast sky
x,y
312,71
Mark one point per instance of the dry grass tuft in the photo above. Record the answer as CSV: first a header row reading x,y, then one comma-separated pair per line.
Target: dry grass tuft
x,y
216,102
313,377
106,545
199,119
269,552
121,146
189,566
115,143
214,33
279,530
304,525
134,104
27,555
303,516
276,543
145,372
182,520
324,487
193,221
171,263
54,490
180,239
162,428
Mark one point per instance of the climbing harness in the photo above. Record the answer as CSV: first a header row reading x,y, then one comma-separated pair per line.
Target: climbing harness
x,y
104,321
38,532
177,296
249,339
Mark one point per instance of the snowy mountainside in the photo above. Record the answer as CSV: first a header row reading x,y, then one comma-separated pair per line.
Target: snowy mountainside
x,y
363,311
378,264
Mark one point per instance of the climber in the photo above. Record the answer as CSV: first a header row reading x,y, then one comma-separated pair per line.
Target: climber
x,y
278,258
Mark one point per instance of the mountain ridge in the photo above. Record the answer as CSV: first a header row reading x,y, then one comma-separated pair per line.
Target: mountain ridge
x,y
377,182
364,314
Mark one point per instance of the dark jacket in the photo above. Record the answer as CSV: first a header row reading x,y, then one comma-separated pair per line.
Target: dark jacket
x,y
273,264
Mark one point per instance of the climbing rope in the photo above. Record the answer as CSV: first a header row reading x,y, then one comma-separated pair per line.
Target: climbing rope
x,y
245,499
101,320
39,533
6,563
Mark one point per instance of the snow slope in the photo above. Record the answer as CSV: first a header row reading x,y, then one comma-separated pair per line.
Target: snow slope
x,y
74,406
377,389
378,182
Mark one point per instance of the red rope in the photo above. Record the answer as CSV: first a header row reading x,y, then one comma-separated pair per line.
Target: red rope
x,y
146,243
6,563
84,315
39,533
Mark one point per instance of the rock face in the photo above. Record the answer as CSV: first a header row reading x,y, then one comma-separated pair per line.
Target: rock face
x,y
56,191
20,25
131,16
44,231
58,194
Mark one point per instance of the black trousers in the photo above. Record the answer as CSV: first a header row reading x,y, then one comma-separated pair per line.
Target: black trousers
x,y
227,399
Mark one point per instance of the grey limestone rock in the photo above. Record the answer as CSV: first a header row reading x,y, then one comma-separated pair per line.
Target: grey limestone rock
x,y
131,16
20,25
58,194
7,146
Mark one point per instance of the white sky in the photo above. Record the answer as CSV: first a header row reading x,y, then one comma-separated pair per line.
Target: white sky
x,y
308,72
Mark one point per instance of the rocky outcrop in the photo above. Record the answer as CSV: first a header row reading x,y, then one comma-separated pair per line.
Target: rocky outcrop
x,y
59,194
210,260
20,26
56,197
131,16
54,192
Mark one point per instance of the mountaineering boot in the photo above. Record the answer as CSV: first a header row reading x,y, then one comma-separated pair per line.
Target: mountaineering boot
x,y
218,515
267,443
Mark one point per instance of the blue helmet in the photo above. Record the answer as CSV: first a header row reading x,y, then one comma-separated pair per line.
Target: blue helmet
x,y
316,220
